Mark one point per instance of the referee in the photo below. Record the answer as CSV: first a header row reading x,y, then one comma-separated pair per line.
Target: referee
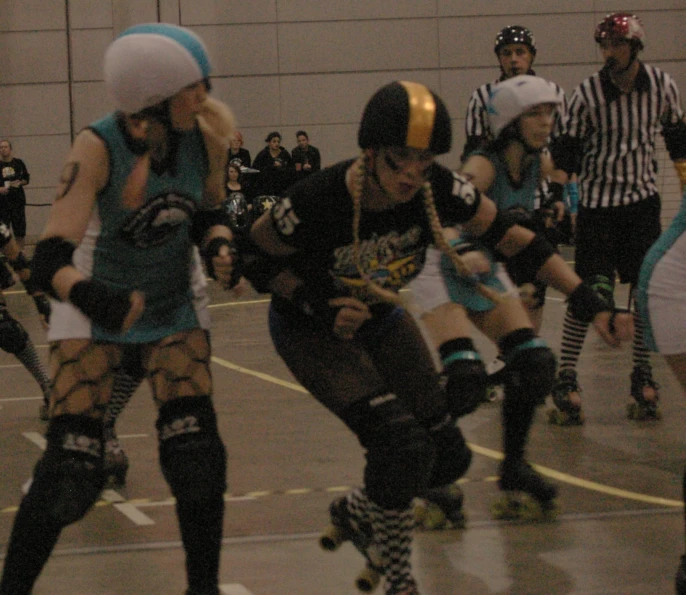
x,y
609,141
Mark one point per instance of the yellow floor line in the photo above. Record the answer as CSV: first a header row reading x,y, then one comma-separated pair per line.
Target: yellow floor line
x,y
494,454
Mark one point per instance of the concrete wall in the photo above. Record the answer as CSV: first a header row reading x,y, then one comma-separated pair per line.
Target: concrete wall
x,y
290,64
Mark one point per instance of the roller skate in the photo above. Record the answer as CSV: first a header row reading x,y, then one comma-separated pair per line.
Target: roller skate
x,y
681,577
441,508
566,391
116,463
359,531
645,392
528,497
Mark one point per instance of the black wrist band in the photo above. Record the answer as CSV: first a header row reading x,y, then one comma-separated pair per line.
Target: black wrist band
x,y
585,304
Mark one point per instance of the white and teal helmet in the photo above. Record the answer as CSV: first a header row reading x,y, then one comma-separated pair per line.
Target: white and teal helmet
x,y
150,63
510,98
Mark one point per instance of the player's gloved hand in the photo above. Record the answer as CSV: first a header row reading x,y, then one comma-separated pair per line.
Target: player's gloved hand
x,y
43,306
115,311
351,316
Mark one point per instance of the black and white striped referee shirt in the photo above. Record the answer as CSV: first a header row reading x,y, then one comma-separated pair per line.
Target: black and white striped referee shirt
x,y
617,133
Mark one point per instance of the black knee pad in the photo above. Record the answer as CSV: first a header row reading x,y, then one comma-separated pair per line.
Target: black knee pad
x,y
604,287
531,368
13,336
69,477
453,456
192,454
466,381
400,452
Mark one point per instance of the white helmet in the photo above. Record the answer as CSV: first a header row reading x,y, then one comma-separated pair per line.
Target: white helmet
x,y
149,63
510,98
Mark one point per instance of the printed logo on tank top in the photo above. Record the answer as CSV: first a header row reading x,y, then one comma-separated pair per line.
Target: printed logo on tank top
x,y
391,260
157,220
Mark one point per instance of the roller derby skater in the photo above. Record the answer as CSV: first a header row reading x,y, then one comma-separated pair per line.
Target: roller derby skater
x,y
121,290
450,299
13,336
334,254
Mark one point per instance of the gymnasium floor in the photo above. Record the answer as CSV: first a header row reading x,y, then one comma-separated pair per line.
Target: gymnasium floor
x,y
619,530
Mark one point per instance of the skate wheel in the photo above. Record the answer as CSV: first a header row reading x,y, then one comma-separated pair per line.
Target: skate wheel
x,y
429,517
563,418
523,508
637,413
367,580
332,538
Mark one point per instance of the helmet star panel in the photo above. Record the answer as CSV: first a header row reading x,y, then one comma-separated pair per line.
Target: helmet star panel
x,y
511,98
621,26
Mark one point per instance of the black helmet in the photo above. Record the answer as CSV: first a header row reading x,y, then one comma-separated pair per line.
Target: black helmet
x,y
515,34
405,114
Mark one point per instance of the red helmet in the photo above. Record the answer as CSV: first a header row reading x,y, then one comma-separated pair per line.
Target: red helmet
x,y
621,26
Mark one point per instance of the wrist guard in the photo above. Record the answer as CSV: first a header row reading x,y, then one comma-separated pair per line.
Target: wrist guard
x,y
105,306
19,263
313,300
212,249
557,193
50,256
585,304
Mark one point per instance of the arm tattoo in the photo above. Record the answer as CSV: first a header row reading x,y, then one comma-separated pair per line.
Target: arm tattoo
x,y
67,178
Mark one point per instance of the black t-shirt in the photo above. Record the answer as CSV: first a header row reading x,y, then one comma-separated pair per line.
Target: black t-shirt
x,y
317,218
12,170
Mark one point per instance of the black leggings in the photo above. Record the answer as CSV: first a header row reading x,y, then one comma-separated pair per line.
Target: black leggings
x,y
388,354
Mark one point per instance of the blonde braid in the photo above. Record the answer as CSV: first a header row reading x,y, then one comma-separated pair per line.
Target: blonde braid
x,y
359,177
448,250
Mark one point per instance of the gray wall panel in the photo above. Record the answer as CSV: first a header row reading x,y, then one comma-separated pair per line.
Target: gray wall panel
x,y
334,10
358,46
36,58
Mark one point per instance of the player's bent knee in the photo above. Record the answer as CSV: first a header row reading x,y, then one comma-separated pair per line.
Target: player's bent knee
x,y
400,452
192,454
69,477
531,371
466,385
13,336
453,456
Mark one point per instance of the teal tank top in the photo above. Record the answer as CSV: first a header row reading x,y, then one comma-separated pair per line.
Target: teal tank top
x,y
147,247
504,193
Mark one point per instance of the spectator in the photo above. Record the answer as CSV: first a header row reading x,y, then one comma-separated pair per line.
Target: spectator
x,y
305,157
12,197
275,166
237,154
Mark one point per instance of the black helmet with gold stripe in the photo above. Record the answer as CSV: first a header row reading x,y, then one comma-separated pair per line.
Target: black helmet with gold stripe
x,y
406,114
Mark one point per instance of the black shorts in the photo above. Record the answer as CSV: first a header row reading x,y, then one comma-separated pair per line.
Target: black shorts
x,y
615,240
389,354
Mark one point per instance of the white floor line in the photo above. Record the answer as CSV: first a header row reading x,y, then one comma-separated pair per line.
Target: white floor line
x,y
12,399
234,590
36,438
134,514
